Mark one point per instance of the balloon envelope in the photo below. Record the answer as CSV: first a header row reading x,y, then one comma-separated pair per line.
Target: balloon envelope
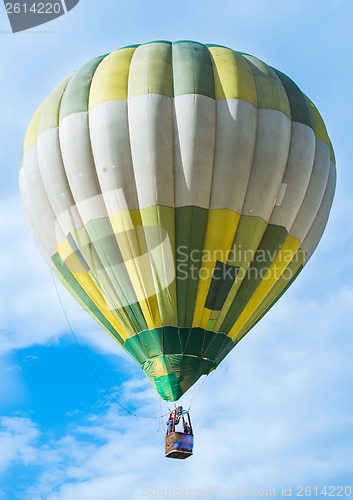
x,y
177,190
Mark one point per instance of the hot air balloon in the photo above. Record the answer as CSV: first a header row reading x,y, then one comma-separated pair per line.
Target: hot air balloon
x,y
177,190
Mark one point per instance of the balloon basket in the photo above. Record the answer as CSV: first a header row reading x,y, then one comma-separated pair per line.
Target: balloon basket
x,y
179,445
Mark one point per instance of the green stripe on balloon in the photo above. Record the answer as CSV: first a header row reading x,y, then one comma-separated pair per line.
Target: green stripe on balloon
x,y
192,70
270,244
49,117
300,111
75,99
190,229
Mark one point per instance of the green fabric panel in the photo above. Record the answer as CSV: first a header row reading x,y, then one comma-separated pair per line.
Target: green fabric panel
x,y
113,273
168,387
184,335
149,344
270,92
75,98
190,230
275,294
172,376
217,45
299,107
249,233
171,340
49,117
270,243
164,373
211,324
162,217
214,342
195,342
177,42
134,347
131,46
151,70
192,69
157,334
168,42
139,345
209,339
222,280
225,350
72,285
131,352
332,153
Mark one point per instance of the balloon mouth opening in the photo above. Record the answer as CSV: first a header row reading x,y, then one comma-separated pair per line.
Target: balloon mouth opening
x,y
174,358
173,374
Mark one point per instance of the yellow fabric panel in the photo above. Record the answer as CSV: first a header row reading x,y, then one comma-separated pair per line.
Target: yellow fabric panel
x,y
128,229
71,260
110,81
320,128
233,78
220,232
31,134
151,70
281,262
247,239
159,367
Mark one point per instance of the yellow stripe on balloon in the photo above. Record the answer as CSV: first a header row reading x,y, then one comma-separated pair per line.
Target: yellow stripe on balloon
x,y
110,81
233,78
220,232
247,239
31,134
151,70
128,230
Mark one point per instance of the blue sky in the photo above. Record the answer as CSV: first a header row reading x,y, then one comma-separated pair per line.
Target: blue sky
x,y
278,411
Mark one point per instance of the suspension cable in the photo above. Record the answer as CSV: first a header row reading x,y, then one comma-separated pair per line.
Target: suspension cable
x,y
201,387
90,366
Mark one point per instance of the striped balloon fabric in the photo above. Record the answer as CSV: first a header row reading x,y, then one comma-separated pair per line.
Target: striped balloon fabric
x,y
177,190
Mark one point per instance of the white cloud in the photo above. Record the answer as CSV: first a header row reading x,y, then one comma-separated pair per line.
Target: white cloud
x,y
18,437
